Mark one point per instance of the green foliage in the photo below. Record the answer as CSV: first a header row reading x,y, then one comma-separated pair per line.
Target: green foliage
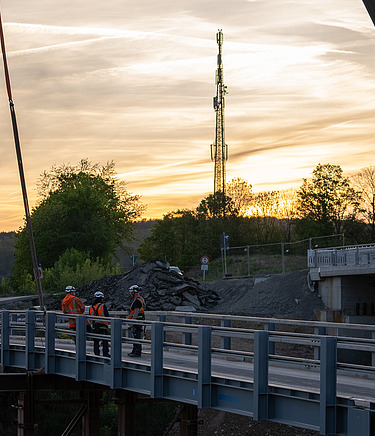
x,y
215,206
5,288
23,284
328,199
73,267
6,253
183,237
77,269
83,207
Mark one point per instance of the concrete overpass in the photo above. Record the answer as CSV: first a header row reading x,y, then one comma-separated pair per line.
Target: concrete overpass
x,y
344,277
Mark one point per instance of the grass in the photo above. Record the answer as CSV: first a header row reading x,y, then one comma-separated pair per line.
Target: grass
x,y
237,266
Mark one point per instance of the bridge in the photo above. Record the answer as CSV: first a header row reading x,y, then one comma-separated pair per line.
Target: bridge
x,y
344,278
285,371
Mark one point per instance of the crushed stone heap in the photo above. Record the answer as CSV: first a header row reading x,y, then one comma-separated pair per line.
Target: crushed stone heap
x,y
162,288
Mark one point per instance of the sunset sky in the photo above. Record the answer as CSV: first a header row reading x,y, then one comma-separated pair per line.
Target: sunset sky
x,y
133,81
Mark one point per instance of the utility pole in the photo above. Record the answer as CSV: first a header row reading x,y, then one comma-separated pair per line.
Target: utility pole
x,y
21,173
219,149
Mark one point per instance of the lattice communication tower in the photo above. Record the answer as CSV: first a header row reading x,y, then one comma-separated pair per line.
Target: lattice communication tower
x,y
219,149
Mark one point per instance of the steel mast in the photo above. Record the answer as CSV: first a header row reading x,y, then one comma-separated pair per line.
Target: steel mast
x,y
21,172
219,149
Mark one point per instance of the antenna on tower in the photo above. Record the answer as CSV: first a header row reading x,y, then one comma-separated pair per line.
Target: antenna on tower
x,y
219,149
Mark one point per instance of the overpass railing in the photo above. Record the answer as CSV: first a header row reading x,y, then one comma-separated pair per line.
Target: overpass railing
x,y
240,385
358,255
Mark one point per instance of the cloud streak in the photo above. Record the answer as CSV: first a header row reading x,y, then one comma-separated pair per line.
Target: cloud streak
x,y
133,82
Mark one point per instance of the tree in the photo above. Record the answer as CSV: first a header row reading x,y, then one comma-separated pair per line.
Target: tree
x,y
364,180
216,205
266,209
328,199
240,192
287,213
83,207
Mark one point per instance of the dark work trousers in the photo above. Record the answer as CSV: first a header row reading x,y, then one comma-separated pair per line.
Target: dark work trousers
x,y
137,334
101,330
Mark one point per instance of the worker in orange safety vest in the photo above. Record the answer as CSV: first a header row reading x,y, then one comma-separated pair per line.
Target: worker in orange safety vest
x,y
136,311
98,308
72,305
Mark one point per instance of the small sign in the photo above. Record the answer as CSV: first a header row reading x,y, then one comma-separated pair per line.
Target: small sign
x,y
205,260
204,267
40,272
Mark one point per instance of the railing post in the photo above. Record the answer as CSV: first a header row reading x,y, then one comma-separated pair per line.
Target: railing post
x,y
163,318
226,340
204,366
5,338
116,352
157,338
80,347
260,385
270,327
30,340
328,385
321,331
188,336
50,357
373,353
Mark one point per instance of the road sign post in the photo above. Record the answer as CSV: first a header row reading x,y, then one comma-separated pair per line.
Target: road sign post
x,y
224,245
204,265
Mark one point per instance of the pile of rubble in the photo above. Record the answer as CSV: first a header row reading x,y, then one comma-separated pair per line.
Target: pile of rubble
x,y
162,288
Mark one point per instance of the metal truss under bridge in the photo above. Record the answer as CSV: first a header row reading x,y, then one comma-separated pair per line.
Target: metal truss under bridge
x,y
248,366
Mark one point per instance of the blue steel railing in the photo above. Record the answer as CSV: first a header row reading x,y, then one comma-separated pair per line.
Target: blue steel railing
x,y
192,377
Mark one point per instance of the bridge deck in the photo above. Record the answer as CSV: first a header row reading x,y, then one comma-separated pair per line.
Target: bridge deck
x,y
254,381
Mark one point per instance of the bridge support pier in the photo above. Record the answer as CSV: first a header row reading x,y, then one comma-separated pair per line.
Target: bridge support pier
x,y
189,420
26,425
91,419
126,412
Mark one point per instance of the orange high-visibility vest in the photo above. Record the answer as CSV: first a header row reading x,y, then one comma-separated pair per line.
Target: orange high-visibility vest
x,y
73,305
141,314
98,310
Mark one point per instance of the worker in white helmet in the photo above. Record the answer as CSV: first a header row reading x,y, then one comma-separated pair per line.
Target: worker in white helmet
x,y
71,304
136,312
98,308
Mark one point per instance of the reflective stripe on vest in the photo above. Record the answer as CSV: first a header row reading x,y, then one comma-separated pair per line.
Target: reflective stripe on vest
x,y
73,306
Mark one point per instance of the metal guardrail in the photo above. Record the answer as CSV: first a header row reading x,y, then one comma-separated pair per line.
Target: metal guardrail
x,y
192,377
342,256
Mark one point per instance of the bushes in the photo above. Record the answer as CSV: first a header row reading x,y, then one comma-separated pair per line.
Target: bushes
x,y
73,268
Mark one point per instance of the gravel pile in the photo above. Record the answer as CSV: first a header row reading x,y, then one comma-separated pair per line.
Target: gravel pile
x,y
162,288
275,295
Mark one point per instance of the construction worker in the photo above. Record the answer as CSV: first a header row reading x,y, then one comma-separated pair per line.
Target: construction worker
x,y
72,305
98,308
136,311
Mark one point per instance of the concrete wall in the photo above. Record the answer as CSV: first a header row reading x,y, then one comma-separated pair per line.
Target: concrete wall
x,y
353,295
330,292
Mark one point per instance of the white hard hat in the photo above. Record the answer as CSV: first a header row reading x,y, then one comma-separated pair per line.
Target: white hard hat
x,y
70,289
135,288
99,294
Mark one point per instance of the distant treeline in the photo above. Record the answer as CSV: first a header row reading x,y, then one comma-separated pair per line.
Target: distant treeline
x,y
6,253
